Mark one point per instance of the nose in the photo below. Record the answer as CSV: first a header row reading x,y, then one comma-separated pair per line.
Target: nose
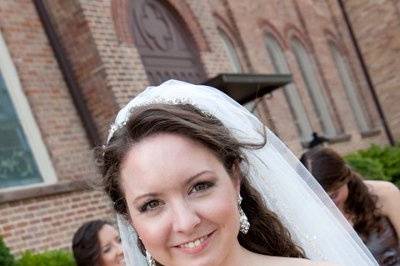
x,y
119,249
185,218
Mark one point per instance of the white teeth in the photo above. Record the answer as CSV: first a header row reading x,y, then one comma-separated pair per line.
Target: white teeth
x,y
195,243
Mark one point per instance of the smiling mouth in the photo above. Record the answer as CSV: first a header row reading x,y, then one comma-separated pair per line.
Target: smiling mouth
x,y
196,245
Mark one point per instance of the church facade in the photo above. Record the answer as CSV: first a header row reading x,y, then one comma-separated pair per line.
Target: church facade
x,y
66,67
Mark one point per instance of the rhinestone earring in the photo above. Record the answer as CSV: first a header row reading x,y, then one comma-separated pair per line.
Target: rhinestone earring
x,y
149,259
244,222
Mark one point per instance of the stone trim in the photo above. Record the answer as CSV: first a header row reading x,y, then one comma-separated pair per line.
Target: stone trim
x,y
45,190
339,138
371,133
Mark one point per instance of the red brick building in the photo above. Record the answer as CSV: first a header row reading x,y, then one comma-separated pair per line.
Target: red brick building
x,y
67,66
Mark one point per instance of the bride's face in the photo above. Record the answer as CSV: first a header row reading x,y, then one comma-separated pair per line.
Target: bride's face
x,y
181,201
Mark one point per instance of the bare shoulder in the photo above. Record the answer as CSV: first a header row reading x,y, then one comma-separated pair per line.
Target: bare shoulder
x,y
282,261
382,189
381,186
323,263
306,262
388,196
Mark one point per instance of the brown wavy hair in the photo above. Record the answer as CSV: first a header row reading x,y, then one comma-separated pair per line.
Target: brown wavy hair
x,y
85,243
266,236
331,172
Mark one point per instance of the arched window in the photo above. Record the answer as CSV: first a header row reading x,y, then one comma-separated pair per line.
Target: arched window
x,y
23,156
231,52
165,46
350,88
307,67
279,62
235,65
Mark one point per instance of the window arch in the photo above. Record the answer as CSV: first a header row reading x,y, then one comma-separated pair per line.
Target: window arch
x,y
165,46
351,89
231,52
236,66
307,68
280,65
23,156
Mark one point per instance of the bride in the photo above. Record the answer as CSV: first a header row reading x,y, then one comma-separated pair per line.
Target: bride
x,y
196,179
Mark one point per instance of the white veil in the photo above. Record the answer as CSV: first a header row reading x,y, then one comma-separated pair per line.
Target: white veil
x,y
287,187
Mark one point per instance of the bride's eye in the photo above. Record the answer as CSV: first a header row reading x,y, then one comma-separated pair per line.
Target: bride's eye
x,y
201,186
149,206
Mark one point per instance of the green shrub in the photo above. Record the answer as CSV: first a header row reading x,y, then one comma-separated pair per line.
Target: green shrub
x,y
377,162
6,258
48,258
367,167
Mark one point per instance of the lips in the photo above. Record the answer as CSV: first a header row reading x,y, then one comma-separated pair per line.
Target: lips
x,y
195,246
194,243
121,261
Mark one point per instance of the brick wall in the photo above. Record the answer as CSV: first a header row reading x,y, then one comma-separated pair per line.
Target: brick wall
x,y
312,22
100,46
48,223
82,49
379,39
45,89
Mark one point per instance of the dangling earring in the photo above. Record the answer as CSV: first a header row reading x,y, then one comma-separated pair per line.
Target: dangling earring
x,y
244,222
149,259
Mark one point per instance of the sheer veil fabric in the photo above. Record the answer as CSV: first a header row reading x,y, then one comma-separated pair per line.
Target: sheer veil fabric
x,y
287,187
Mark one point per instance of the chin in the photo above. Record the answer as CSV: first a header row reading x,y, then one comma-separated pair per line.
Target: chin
x,y
212,257
199,262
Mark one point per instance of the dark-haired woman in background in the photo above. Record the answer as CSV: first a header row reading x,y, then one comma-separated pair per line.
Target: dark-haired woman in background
x,y
97,243
371,207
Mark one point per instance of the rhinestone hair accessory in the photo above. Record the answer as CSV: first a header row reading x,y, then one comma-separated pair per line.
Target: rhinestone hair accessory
x,y
115,126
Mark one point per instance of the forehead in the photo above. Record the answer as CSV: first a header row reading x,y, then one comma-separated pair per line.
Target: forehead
x,y
339,188
165,159
106,233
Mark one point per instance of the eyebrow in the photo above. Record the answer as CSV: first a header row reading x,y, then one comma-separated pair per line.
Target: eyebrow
x,y
105,246
188,181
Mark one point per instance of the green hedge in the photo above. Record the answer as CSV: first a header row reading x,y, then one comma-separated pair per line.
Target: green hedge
x,y
6,258
48,258
377,162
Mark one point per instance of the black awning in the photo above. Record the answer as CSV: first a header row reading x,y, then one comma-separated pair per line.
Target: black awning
x,y
247,87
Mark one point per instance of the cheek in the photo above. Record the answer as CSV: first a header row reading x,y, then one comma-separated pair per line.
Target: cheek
x,y
221,210
345,194
106,259
342,197
153,232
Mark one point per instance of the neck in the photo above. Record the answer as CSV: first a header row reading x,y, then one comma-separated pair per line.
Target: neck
x,y
237,257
